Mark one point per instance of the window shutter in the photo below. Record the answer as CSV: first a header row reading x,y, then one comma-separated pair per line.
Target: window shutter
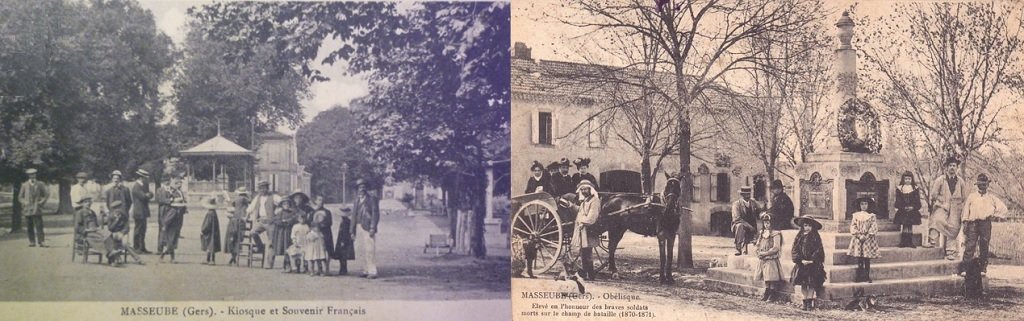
x,y
714,188
535,121
554,128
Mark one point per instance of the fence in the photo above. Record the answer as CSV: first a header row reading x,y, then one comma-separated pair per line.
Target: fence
x,y
1008,241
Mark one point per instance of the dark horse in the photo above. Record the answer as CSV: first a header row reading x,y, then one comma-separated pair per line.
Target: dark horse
x,y
646,215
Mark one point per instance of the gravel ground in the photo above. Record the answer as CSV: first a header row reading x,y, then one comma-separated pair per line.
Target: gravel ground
x,y
688,298
47,274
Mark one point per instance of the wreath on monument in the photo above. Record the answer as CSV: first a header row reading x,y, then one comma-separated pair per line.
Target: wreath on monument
x,y
859,127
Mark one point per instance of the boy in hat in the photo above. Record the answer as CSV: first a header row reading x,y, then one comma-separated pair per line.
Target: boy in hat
x,y
948,195
980,209
744,218
33,196
781,209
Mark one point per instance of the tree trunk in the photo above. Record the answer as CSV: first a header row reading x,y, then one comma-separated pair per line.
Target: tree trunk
x,y
477,244
685,253
16,208
646,176
64,196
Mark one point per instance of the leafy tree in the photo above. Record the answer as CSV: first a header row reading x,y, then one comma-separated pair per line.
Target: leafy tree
x,y
439,91
80,69
328,144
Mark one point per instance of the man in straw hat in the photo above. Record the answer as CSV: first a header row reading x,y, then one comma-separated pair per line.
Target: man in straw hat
x,y
948,195
32,197
259,211
980,209
139,210
586,215
366,215
117,197
744,220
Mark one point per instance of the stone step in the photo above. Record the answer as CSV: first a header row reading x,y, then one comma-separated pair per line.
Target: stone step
x,y
829,226
743,272
737,281
885,239
889,255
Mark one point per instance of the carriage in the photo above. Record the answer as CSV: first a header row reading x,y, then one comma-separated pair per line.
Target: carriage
x,y
541,216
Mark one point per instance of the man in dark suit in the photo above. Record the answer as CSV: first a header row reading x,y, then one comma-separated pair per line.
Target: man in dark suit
x,y
139,211
32,197
117,196
367,215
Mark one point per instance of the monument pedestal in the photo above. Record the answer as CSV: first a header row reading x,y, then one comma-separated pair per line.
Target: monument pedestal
x,y
828,184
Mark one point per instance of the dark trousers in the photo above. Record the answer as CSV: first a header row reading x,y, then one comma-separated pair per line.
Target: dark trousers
x,y
742,236
159,236
139,235
977,235
170,236
587,254
35,228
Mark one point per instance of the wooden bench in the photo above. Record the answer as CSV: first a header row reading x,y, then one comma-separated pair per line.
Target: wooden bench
x,y
437,242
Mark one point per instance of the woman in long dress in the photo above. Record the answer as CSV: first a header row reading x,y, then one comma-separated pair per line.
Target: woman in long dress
x,y
210,233
863,244
769,244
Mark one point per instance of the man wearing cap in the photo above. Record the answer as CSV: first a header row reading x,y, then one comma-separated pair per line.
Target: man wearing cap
x,y
139,210
980,209
367,214
80,189
259,212
32,197
948,195
744,218
781,207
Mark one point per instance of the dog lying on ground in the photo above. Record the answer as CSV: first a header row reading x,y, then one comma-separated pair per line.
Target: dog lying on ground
x,y
862,302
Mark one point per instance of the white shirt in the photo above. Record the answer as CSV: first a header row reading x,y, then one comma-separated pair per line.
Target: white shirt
x,y
981,207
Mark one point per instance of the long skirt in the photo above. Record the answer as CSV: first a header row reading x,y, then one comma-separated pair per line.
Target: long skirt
x,y
170,237
281,239
809,275
905,217
210,238
234,236
768,270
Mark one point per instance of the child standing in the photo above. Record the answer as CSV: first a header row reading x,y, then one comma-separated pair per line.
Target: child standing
x,y
808,259
863,244
210,233
769,244
908,209
344,248
315,251
296,251
234,235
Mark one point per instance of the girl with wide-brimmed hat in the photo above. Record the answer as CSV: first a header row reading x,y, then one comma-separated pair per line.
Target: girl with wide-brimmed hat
x,y
809,258
908,208
863,245
769,245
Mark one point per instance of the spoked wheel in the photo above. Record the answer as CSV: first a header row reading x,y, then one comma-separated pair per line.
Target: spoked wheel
x,y
539,221
600,254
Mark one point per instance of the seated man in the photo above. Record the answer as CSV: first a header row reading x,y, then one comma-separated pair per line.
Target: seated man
x,y
88,229
118,226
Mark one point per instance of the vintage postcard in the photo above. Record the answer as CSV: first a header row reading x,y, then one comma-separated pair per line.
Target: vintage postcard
x,y
254,160
766,160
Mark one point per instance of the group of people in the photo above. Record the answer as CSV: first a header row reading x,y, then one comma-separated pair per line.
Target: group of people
x,y
298,227
555,178
958,220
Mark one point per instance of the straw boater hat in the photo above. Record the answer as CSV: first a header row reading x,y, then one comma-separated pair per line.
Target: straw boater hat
x,y
116,173
82,175
242,191
83,199
564,162
263,183
746,190
363,182
800,220
142,172
31,171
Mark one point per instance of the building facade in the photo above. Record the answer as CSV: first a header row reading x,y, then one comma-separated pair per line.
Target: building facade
x,y
553,117
277,163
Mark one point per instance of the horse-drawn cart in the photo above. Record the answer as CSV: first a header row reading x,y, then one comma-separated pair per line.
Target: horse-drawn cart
x,y
538,216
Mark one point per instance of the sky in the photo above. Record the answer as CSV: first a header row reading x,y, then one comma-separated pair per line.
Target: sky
x,y
171,16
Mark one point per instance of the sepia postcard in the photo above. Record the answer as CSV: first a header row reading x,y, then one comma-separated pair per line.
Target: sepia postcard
x,y
254,160
766,160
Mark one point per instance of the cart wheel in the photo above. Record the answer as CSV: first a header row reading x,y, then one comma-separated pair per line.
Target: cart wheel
x,y
539,220
600,254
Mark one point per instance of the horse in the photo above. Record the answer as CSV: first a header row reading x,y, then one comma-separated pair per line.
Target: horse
x,y
641,214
